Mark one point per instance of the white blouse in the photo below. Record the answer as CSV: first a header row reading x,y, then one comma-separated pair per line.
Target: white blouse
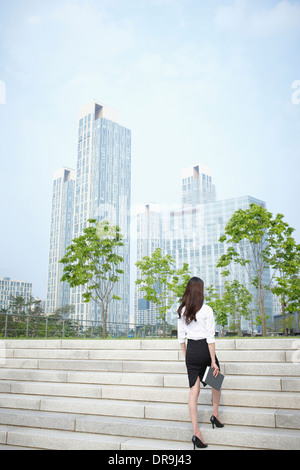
x,y
203,328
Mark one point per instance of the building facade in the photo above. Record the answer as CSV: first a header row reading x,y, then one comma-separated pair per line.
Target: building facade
x,y
61,231
149,237
197,186
103,192
190,233
9,287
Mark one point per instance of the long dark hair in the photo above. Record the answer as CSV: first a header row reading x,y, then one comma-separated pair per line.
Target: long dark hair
x,y
192,299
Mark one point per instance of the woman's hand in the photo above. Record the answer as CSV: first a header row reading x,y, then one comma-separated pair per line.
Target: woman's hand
x,y
211,347
216,369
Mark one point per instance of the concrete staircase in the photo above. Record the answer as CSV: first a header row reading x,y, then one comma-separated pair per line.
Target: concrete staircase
x,y
132,395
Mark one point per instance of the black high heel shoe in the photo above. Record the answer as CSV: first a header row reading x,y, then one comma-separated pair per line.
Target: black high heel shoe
x,y
215,422
198,443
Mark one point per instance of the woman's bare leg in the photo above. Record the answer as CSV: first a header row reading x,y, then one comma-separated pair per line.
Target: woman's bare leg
x,y
193,399
216,395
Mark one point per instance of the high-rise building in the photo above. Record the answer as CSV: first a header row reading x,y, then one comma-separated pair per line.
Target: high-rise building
x,y
196,185
9,287
190,233
149,238
61,231
103,192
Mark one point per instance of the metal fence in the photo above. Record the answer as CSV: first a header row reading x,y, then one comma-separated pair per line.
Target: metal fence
x,y
41,326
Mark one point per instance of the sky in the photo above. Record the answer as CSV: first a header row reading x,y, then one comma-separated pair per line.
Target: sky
x,y
214,82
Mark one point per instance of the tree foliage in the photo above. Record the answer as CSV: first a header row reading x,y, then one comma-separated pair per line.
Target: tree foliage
x,y
264,246
232,306
214,300
161,283
93,261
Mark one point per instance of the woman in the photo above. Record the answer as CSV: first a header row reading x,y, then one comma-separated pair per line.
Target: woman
x,y
196,322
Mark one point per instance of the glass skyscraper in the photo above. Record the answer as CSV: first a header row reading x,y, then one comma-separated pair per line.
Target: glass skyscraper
x,y
149,237
196,185
61,231
103,192
191,232
99,188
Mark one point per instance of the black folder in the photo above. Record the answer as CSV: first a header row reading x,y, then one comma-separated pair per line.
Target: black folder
x,y
209,379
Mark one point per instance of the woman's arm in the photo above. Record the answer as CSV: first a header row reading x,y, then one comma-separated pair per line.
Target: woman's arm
x,y
210,327
212,352
183,347
181,335
180,331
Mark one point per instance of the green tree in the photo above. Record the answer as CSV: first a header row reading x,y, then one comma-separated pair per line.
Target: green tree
x,y
293,297
286,265
93,261
253,236
64,312
17,305
236,300
161,283
180,280
214,300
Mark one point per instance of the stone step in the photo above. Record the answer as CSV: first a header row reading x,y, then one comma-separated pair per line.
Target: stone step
x,y
287,369
11,355
141,373
97,389
167,430
146,445
107,377
132,394
35,439
242,416
263,344
266,344
256,438
177,382
74,405
147,360
241,382
33,375
132,402
140,430
98,355
250,398
49,439
7,447
52,389
164,344
229,415
159,444
38,419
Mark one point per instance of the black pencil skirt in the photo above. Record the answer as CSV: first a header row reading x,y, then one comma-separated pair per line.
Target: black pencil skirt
x,y
197,359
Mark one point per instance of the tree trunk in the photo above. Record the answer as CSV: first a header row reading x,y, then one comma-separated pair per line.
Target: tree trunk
x,y
239,326
164,317
104,317
261,309
283,316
